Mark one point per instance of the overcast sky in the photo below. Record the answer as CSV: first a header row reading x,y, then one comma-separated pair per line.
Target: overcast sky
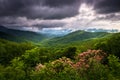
x,y
62,14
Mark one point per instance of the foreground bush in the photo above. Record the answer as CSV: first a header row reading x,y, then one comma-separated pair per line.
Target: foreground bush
x,y
88,65
110,45
60,69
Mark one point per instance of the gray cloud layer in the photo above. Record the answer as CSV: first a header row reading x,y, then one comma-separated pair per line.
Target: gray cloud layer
x,y
30,12
46,9
53,9
108,6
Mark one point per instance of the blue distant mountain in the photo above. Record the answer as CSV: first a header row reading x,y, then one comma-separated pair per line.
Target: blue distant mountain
x,y
103,30
55,32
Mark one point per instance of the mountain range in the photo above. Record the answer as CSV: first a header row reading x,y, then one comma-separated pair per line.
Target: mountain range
x,y
77,36
20,36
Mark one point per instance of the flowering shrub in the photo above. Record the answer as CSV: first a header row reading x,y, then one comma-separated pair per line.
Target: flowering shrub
x,y
57,65
83,61
63,60
39,67
85,58
88,66
60,64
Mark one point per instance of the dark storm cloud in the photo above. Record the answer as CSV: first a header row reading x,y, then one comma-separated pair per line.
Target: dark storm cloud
x,y
30,13
45,9
21,22
53,9
60,3
107,6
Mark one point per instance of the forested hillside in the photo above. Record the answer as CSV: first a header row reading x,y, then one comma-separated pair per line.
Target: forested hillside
x,y
20,36
77,36
84,57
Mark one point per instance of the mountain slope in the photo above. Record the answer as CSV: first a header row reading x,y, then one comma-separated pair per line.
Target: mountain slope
x,y
18,35
76,36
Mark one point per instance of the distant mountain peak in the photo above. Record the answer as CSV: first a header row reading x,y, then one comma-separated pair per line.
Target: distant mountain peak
x,y
3,28
102,30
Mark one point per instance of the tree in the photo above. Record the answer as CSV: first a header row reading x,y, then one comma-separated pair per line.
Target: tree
x,y
70,52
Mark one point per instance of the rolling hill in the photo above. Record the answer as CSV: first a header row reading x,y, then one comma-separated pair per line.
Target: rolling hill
x,y
77,36
18,35
21,36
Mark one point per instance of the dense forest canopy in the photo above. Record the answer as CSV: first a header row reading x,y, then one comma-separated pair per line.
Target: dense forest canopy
x,y
82,59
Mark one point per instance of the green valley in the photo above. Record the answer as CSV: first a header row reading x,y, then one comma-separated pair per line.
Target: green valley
x,y
79,55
